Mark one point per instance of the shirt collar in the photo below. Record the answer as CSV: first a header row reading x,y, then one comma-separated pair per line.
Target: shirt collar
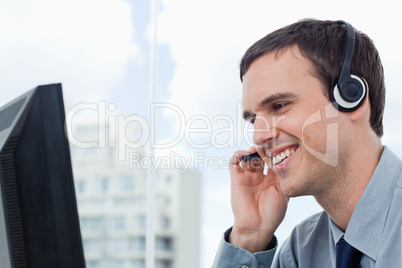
x,y
365,227
336,232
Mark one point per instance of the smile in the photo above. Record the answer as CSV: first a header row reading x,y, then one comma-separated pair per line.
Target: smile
x,y
281,157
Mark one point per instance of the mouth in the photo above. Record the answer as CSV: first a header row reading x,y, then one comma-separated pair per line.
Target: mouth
x,y
280,157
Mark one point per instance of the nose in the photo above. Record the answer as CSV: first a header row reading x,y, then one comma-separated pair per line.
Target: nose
x,y
264,131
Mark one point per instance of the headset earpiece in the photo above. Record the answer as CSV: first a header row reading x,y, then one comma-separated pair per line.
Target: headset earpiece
x,y
350,91
351,97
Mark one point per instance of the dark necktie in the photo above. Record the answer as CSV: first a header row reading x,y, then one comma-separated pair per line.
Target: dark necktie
x,y
346,255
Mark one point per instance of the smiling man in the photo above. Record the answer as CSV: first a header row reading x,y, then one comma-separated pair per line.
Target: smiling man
x,y
315,92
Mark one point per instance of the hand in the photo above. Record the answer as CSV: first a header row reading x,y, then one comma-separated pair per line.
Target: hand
x,y
258,203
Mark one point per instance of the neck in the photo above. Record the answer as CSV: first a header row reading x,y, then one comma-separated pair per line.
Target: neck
x,y
352,178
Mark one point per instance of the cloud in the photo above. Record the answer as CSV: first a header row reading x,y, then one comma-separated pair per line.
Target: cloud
x,y
208,38
83,44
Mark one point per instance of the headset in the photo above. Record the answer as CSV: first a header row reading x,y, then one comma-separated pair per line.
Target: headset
x,y
350,91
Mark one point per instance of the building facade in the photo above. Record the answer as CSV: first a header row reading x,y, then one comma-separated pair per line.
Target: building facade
x,y
112,196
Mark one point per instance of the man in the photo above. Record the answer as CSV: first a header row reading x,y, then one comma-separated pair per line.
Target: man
x,y
317,125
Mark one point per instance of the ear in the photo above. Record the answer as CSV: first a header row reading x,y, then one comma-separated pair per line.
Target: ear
x,y
359,112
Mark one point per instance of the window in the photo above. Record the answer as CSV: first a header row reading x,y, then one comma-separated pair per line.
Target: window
x,y
126,183
137,244
93,245
101,185
162,200
116,223
164,243
91,224
117,245
164,264
165,222
140,222
116,264
80,186
93,264
144,181
159,183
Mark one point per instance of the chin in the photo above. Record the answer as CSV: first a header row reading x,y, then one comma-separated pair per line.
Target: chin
x,y
291,189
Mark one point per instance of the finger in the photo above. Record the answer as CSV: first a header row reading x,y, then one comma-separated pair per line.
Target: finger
x,y
236,163
251,154
259,163
261,149
235,160
255,165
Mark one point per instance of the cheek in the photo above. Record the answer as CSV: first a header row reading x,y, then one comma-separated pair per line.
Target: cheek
x,y
291,124
315,136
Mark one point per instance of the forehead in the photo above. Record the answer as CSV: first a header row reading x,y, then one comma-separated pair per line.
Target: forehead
x,y
274,73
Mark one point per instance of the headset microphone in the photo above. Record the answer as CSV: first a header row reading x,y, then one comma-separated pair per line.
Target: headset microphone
x,y
350,91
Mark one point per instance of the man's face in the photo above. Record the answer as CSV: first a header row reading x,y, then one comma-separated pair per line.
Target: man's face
x,y
291,116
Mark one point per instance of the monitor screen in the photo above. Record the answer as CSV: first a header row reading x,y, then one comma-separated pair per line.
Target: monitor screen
x,y
39,224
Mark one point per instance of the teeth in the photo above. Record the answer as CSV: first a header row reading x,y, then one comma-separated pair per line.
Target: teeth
x,y
280,157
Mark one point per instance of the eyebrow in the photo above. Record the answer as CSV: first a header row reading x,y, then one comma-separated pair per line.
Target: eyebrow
x,y
270,99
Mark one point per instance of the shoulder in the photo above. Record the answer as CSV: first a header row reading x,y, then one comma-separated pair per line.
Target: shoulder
x,y
311,235
309,244
311,228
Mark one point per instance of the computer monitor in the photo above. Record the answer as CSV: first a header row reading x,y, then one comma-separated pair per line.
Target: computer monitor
x,y
39,224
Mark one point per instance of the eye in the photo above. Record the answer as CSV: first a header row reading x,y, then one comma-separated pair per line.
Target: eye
x,y
278,106
252,119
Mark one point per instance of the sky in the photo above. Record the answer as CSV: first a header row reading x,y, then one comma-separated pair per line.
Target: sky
x,y
99,51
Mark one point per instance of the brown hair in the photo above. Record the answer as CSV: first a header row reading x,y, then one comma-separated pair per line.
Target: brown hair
x,y
323,43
